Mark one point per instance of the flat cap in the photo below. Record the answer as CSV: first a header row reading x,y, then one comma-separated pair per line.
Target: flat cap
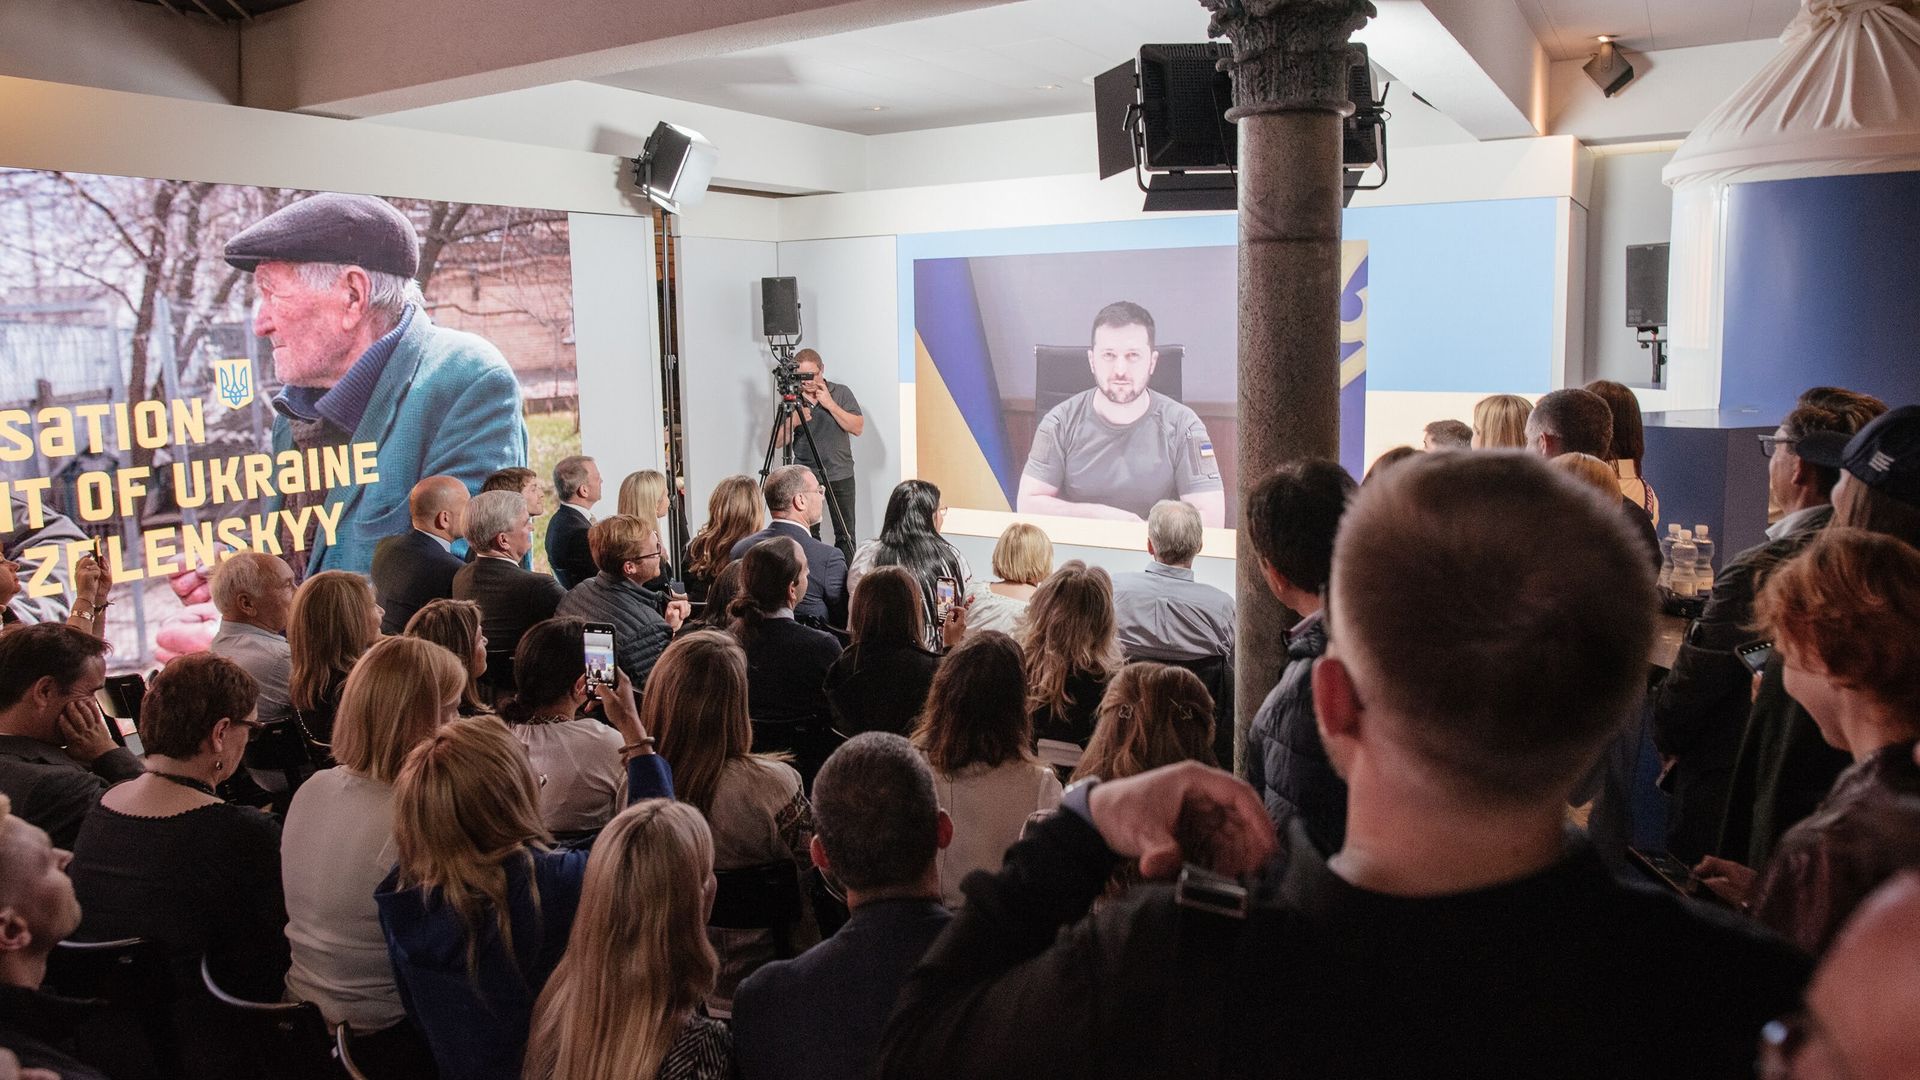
x,y
357,230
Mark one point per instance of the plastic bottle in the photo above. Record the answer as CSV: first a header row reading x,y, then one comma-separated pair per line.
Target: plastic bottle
x,y
1686,559
1666,555
1703,568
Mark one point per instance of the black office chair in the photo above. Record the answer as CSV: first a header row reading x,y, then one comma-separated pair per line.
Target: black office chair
x,y
1217,677
120,698
131,1036
1061,371
277,758
289,1040
764,897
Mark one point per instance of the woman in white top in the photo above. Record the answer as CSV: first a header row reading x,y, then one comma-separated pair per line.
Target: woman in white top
x,y
1022,559
977,738
337,843
696,706
1629,447
583,781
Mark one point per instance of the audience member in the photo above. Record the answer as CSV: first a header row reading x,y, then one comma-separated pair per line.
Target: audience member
x,y
628,550
977,738
881,681
1291,518
1387,461
1500,422
478,910
417,567
37,912
720,596
500,532
338,844
787,663
333,620
625,999
910,538
1071,651
1581,422
734,511
754,803
1701,709
577,758
163,857
576,483
1153,715
1162,613
1459,914
1857,1023
455,626
878,830
525,483
1859,409
1591,471
1446,435
1627,449
56,753
645,495
253,592
1845,618
794,497
20,548
1785,766
1022,559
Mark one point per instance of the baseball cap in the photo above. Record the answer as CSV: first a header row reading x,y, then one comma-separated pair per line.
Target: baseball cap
x,y
1885,455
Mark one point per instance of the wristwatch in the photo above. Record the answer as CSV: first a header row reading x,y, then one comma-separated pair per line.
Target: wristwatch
x,y
1075,798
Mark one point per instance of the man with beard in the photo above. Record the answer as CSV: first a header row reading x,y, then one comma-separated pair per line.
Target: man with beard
x,y
1115,450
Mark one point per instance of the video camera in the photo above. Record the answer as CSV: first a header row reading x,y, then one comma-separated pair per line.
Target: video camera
x,y
788,379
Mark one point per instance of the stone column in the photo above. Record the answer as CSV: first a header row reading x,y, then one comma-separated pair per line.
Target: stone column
x,y
1289,67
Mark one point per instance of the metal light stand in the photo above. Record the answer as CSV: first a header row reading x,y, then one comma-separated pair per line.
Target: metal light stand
x,y
1649,338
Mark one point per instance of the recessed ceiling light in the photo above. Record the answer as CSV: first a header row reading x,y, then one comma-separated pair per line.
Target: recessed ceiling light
x,y
1604,38
876,108
1048,86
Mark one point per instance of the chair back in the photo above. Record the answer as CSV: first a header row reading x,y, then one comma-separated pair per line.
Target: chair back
x,y
277,754
764,897
133,1036
287,1039
1217,677
123,694
1061,371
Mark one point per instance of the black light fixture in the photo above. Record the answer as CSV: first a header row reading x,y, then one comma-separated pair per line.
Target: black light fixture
x,y
675,167
1608,68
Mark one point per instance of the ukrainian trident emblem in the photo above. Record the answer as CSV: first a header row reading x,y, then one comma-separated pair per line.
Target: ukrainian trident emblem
x,y
234,379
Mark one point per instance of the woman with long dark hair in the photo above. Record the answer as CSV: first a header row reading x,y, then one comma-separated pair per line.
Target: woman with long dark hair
x,y
881,681
1629,447
910,538
786,663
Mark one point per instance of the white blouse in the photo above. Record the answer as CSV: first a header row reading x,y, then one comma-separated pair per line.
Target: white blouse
x,y
584,782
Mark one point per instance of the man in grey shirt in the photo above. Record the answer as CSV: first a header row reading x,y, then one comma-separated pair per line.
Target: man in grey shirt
x,y
831,414
1162,612
1115,450
254,594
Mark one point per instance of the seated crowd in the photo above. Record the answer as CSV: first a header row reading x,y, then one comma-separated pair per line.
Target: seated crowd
x,y
824,817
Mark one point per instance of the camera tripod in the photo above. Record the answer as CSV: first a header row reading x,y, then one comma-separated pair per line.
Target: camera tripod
x,y
787,409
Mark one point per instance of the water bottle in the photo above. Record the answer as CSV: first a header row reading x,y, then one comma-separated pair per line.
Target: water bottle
x,y
1686,560
1703,569
1666,555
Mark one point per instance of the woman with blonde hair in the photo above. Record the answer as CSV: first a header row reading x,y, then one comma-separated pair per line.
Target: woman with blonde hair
x,y
1153,715
1500,422
646,495
478,910
1022,559
338,841
1591,471
734,512
332,621
1072,650
456,626
696,702
624,1004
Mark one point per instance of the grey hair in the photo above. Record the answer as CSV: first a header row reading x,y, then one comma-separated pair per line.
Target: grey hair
x,y
492,513
386,293
876,812
243,573
570,475
1174,529
783,484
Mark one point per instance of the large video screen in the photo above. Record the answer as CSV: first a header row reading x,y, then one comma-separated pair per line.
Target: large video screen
x,y
170,399
1092,384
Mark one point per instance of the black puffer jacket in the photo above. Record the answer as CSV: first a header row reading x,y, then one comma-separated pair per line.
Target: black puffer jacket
x,y
640,632
1286,762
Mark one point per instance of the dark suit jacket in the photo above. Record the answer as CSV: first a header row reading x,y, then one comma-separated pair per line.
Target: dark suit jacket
x,y
511,600
826,597
787,667
567,549
409,571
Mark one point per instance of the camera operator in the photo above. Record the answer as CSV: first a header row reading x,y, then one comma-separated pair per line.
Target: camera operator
x,y
832,416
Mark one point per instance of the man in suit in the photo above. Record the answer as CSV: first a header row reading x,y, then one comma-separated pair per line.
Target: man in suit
x,y
500,531
794,503
576,483
363,364
877,828
418,566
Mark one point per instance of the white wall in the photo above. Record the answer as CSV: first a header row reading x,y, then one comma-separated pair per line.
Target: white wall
x,y
616,346
1629,206
1671,92
725,387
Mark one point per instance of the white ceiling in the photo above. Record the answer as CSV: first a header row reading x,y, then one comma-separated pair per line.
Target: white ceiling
x,y
1567,28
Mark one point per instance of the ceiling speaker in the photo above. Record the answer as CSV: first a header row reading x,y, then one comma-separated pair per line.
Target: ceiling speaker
x,y
1609,69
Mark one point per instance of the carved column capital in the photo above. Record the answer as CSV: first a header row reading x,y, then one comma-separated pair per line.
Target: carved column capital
x,y
1288,54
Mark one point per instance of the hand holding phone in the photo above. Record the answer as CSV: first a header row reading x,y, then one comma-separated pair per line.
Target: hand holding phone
x,y
597,639
945,591
1755,654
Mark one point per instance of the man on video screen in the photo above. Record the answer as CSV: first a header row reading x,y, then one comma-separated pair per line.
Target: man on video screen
x,y
1115,450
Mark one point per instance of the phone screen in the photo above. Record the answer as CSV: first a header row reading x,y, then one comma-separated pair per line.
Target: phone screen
x,y
599,646
944,592
1755,655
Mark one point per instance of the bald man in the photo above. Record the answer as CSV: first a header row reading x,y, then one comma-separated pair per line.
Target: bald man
x,y
254,594
1858,1020
417,566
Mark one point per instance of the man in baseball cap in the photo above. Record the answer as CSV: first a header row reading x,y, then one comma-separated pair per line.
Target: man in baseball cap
x,y
1879,485
362,362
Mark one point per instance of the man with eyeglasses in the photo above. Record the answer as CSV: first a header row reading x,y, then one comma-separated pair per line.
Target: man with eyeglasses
x,y
1857,1019
643,621
1703,705
56,754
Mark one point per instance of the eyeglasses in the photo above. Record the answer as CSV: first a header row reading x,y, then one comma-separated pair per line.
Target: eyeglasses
x,y
1785,1040
1768,443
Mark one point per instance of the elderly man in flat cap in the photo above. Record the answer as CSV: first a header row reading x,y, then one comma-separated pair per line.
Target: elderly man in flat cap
x,y
361,362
